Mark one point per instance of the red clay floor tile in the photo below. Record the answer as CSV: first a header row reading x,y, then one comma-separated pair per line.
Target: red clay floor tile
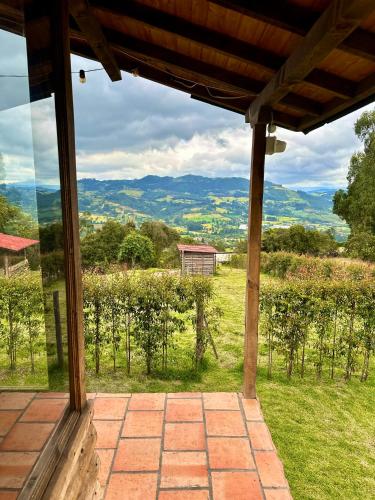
x,y
108,432
260,436
105,457
27,437
150,401
184,436
220,401
184,469
137,455
184,395
271,471
184,410
236,485
7,419
132,487
53,395
252,409
110,408
44,410
184,495
15,400
143,424
15,467
277,494
113,395
224,423
230,453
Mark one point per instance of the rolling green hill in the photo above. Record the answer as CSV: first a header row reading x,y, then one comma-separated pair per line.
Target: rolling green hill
x,y
196,204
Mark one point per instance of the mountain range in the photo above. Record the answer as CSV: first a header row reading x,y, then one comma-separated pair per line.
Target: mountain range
x,y
195,204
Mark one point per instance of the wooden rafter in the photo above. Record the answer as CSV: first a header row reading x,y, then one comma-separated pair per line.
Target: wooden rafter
x,y
198,72
365,94
298,19
339,20
90,27
237,49
198,92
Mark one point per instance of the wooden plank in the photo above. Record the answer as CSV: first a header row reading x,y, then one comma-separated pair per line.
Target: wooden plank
x,y
253,258
237,49
72,474
44,468
198,71
298,19
365,94
90,27
69,204
333,26
199,93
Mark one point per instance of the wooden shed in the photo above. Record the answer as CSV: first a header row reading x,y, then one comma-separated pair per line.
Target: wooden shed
x,y
198,259
14,247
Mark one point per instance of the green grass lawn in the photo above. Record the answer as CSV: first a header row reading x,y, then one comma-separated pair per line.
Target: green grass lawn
x,y
324,430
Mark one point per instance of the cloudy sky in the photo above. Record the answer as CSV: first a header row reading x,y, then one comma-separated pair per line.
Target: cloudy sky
x,y
134,127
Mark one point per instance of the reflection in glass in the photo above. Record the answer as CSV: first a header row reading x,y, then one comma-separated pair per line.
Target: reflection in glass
x,y
32,286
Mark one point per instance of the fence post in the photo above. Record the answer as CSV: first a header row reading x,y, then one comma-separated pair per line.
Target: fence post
x,y
59,345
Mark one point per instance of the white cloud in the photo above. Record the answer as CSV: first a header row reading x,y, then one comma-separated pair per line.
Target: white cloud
x,y
135,127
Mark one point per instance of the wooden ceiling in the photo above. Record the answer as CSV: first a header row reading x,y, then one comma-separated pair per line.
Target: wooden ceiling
x,y
308,61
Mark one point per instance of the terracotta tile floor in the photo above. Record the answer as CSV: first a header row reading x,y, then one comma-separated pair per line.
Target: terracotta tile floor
x,y
173,446
27,420
186,446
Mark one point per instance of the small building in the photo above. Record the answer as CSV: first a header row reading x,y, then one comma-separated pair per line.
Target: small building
x,y
13,251
198,259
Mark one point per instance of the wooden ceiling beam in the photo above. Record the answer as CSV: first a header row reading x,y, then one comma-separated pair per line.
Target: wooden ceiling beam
x,y
299,20
365,94
184,67
203,73
90,27
228,46
334,25
127,64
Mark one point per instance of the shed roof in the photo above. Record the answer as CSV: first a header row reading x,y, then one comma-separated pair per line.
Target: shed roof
x,y
15,243
197,248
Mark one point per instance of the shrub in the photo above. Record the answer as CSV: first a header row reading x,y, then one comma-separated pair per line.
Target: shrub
x,y
289,265
333,320
137,249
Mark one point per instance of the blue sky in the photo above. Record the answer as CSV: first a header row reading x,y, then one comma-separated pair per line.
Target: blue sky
x,y
135,127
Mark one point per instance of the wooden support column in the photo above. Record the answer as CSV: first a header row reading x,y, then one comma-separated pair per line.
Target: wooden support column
x,y
69,201
253,258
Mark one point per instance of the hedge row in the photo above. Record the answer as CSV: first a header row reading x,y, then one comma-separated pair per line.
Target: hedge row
x,y
21,317
327,324
290,265
141,311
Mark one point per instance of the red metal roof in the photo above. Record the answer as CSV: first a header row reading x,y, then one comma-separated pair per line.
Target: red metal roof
x,y
197,248
15,243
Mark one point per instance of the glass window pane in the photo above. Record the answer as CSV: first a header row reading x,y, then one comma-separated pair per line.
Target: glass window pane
x,y
33,344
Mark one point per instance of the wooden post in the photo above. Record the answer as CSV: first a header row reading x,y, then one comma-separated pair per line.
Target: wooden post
x,y
253,258
59,345
69,201
6,266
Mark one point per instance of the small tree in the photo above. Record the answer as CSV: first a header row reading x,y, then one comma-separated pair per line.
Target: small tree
x,y
137,250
